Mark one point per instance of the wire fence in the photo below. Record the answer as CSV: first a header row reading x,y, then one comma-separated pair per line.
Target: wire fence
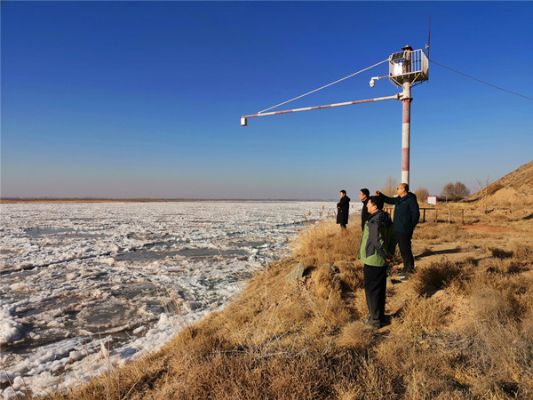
x,y
434,214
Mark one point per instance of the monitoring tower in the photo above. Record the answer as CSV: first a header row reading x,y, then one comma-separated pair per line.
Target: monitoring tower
x,y
407,68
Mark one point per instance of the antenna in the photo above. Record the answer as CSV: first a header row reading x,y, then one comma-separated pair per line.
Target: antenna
x,y
428,44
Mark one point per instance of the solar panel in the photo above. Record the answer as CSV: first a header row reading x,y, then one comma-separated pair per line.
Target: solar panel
x,y
397,56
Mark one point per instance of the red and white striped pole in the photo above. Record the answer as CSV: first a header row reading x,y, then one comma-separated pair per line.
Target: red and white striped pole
x,y
406,130
406,117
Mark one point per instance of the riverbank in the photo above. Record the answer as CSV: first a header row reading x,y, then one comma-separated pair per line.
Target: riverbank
x,y
460,328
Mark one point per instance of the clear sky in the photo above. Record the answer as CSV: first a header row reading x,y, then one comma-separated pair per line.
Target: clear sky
x,y
143,99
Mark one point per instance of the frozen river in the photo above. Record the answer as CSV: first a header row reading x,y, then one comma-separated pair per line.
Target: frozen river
x,y
88,285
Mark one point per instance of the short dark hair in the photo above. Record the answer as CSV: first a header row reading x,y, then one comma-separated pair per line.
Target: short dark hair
x,y
405,186
342,191
377,201
365,191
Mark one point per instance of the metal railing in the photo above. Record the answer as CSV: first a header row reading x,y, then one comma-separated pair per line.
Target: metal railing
x,y
413,67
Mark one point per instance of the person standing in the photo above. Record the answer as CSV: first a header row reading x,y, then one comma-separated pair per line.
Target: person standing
x,y
364,194
376,251
343,209
406,216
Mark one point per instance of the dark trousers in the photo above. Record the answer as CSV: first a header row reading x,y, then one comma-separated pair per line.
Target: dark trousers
x,y
404,243
343,226
375,279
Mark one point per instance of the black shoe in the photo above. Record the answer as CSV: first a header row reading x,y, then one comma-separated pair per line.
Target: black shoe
x,y
373,323
404,275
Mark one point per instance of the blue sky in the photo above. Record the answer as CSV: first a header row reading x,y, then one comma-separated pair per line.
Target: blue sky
x,y
143,99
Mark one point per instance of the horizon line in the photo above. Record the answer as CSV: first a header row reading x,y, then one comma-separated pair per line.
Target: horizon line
x,y
149,199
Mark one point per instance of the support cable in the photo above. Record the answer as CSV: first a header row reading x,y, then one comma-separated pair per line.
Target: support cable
x,y
323,87
481,80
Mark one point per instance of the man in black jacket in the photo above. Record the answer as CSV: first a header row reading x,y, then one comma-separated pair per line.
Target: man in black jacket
x,y
343,209
364,195
406,216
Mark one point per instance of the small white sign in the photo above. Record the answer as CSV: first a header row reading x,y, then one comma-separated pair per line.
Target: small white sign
x,y
432,200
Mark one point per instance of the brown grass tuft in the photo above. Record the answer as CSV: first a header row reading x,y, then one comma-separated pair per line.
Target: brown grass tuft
x,y
435,277
522,252
424,315
325,243
355,335
500,253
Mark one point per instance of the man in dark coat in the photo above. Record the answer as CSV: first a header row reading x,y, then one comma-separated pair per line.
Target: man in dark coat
x,y
364,195
343,209
406,216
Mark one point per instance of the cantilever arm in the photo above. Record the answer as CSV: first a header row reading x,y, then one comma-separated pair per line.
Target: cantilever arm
x,y
244,118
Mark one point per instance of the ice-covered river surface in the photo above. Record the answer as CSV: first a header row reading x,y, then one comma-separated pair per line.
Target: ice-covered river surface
x,y
87,285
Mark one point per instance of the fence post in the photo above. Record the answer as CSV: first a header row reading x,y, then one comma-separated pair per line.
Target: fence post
x,y
423,215
436,213
463,216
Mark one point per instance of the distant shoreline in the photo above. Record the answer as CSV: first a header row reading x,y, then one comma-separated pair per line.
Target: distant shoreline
x,y
14,200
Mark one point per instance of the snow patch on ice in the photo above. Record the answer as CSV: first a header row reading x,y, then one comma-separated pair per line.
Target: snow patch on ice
x,y
10,330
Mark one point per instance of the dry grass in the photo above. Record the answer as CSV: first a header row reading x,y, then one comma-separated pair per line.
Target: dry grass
x,y
355,335
325,243
461,328
435,277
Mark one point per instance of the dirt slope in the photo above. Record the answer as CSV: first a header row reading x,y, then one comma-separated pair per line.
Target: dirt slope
x,y
514,188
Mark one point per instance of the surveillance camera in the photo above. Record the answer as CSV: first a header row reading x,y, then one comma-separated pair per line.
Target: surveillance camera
x,y
372,82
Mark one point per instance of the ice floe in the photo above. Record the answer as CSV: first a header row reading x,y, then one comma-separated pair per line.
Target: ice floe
x,y
88,286
10,330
